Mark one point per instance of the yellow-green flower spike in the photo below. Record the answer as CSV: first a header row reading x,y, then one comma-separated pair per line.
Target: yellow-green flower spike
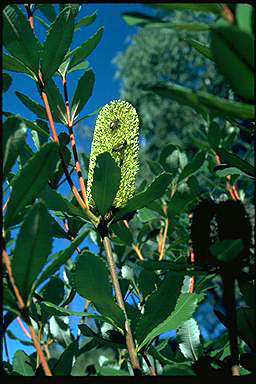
x,y
117,132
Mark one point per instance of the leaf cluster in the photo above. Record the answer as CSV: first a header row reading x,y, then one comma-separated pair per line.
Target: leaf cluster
x,y
150,234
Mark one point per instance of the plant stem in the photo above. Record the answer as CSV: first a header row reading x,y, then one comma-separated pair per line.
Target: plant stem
x,y
129,338
229,301
88,213
151,369
73,143
23,309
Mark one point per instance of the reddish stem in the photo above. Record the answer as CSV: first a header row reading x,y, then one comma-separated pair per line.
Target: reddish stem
x,y
231,189
227,14
30,16
73,143
56,139
23,328
9,270
135,246
23,310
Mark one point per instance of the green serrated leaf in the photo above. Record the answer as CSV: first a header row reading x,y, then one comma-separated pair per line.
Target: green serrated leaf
x,y
54,290
40,126
87,20
146,215
122,232
201,48
48,11
65,362
180,26
63,68
155,167
155,314
188,338
200,7
91,278
80,53
106,182
14,136
164,155
83,93
56,310
58,231
214,135
10,301
56,102
193,166
19,39
31,179
184,309
96,286
57,43
231,45
80,67
54,201
33,246
148,281
138,18
88,332
40,132
244,14
235,161
60,259
204,102
153,192
32,105
226,171
22,364
13,64
25,154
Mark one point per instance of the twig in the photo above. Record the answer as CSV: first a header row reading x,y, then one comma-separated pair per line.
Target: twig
x,y
192,281
9,270
162,248
162,240
39,351
135,246
129,338
230,188
73,144
227,14
23,328
30,16
151,369
21,304
90,215
39,339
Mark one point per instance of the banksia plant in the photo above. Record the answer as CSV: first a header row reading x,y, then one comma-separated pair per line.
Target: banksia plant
x,y
117,132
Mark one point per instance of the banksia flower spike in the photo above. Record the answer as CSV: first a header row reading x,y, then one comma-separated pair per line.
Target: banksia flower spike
x,y
117,132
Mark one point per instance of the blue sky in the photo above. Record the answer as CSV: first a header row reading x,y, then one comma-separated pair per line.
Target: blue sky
x,y
106,88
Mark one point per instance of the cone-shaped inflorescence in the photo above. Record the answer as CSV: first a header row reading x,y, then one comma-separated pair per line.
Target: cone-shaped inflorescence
x,y
117,132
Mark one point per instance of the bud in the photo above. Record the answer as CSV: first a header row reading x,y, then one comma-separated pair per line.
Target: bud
x,y
117,132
